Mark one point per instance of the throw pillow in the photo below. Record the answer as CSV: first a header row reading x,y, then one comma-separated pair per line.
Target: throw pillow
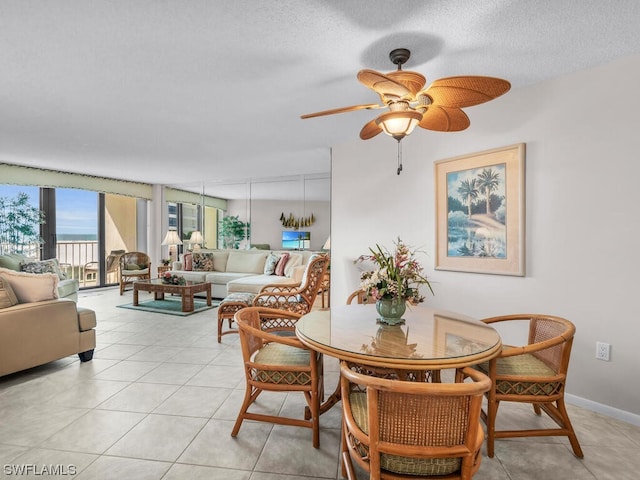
x,y
270,264
188,261
7,297
132,266
281,264
295,260
32,287
202,262
43,266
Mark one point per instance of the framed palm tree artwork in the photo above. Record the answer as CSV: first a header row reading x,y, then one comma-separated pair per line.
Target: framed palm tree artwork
x,y
480,212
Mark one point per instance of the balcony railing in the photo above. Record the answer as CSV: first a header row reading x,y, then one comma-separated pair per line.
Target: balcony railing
x,y
78,259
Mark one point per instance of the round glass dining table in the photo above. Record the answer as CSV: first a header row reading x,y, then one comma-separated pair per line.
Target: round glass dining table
x,y
427,340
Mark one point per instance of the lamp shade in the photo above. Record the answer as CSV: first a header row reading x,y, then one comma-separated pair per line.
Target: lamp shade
x,y
327,244
398,124
196,237
172,238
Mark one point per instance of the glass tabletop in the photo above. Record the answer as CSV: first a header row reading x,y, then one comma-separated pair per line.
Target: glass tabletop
x,y
428,336
159,281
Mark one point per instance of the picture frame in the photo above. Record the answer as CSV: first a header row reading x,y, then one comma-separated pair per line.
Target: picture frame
x,y
480,212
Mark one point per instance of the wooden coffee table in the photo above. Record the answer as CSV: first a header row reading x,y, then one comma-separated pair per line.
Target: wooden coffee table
x,y
186,291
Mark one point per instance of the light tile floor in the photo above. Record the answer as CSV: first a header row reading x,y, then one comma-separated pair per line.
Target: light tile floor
x,y
160,397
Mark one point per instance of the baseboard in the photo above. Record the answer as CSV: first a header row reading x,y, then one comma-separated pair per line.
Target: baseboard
x,y
612,412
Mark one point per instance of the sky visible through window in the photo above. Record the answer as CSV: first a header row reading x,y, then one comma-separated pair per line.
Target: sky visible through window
x,y
76,210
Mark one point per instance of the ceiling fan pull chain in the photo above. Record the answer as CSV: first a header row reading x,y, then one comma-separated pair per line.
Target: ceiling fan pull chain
x,y
399,157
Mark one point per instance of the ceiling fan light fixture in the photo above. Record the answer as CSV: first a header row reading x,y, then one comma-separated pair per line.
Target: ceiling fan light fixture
x,y
399,124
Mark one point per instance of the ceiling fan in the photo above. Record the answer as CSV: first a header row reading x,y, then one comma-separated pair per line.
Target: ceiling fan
x,y
438,107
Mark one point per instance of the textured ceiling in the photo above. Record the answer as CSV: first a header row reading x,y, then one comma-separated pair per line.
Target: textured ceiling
x,y
193,91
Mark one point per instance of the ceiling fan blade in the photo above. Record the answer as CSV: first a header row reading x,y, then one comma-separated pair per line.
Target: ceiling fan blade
x,y
414,81
370,130
342,110
444,119
460,92
381,84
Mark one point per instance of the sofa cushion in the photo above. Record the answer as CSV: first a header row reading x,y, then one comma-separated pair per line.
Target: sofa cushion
x,y
247,261
42,266
68,287
284,258
222,278
7,296
270,264
254,283
32,287
209,261
12,261
295,260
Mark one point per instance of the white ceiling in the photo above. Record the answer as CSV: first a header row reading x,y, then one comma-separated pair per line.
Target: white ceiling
x,y
201,91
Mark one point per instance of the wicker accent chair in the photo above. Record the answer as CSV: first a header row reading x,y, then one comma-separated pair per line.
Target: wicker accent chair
x,y
535,373
400,430
361,297
134,266
91,269
278,363
296,298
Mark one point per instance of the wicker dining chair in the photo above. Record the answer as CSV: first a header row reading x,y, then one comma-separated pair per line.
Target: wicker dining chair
x,y
361,297
296,298
134,266
278,363
535,373
395,429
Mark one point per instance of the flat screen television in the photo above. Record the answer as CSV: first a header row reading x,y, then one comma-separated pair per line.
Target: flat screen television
x,y
296,240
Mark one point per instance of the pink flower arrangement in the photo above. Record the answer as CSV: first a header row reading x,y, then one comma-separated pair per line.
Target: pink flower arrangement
x,y
397,274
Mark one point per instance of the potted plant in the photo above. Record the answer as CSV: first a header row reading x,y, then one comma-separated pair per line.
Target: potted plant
x,y
233,231
394,281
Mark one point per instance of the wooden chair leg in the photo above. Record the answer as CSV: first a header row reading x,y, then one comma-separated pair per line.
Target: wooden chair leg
x,y
492,411
249,397
571,434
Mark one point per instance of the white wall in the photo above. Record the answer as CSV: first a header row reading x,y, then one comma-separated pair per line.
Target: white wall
x,y
265,219
582,220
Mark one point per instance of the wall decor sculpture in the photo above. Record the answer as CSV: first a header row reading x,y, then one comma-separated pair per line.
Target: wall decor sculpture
x,y
296,223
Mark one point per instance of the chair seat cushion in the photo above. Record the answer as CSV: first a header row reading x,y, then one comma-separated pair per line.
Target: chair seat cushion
x,y
238,297
138,272
525,365
282,356
397,463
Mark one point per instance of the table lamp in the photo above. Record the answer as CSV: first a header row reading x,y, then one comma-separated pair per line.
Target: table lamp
x,y
196,240
172,239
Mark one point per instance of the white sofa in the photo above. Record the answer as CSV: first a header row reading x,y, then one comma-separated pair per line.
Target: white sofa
x,y
231,271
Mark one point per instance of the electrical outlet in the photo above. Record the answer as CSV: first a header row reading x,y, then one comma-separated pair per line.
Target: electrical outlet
x,y
603,351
